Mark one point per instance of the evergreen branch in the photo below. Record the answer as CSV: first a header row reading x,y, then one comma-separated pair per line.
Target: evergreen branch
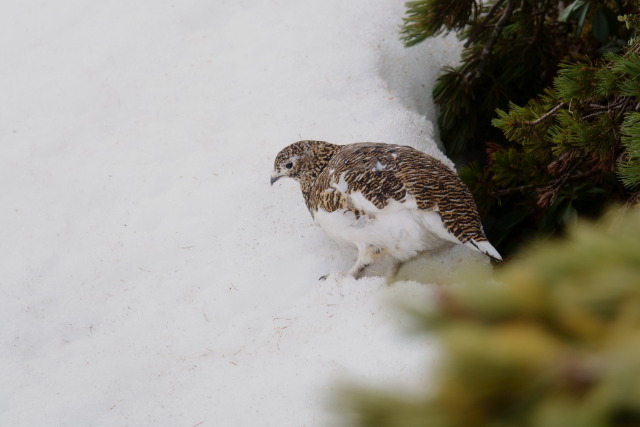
x,y
562,179
486,51
480,28
621,105
629,105
547,114
547,195
598,107
427,18
629,162
542,117
539,28
594,114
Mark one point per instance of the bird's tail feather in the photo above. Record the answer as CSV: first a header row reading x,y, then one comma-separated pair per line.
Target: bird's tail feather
x,y
486,248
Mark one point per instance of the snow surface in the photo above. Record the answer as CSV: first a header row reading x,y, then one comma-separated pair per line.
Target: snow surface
x,y
150,275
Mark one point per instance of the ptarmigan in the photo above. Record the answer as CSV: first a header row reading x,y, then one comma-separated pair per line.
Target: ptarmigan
x,y
383,198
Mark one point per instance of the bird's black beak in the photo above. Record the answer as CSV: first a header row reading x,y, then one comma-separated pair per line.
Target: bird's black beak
x,y
274,177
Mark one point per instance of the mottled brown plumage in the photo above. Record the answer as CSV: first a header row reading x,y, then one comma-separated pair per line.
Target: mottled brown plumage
x,y
367,186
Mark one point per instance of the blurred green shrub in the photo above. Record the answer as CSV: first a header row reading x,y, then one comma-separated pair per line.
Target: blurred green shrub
x,y
552,341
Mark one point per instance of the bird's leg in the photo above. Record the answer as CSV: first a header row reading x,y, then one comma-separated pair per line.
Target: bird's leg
x,y
392,271
366,255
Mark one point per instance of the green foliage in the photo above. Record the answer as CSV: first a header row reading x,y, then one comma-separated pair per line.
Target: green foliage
x,y
432,17
552,341
603,22
629,169
537,108
576,132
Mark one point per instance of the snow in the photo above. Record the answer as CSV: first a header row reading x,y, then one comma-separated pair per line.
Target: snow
x,y
150,275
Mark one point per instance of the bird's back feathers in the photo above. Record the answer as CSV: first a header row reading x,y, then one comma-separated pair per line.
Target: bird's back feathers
x,y
385,172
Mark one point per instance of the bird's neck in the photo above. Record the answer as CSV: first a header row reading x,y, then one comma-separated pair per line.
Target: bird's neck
x,y
323,152
307,188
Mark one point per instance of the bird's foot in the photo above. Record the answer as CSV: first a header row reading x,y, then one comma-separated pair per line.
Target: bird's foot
x,y
357,271
336,275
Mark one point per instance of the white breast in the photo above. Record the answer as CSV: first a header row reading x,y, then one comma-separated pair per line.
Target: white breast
x,y
400,228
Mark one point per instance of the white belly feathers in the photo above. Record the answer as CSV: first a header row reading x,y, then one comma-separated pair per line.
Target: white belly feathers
x,y
400,228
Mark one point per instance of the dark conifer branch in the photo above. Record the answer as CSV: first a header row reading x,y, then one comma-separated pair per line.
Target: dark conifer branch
x,y
555,182
486,51
545,115
480,28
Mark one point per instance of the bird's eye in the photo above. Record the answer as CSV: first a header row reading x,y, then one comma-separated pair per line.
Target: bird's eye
x,y
288,165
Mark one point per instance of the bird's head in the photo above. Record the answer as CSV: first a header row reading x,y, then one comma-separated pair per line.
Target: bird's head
x,y
302,160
